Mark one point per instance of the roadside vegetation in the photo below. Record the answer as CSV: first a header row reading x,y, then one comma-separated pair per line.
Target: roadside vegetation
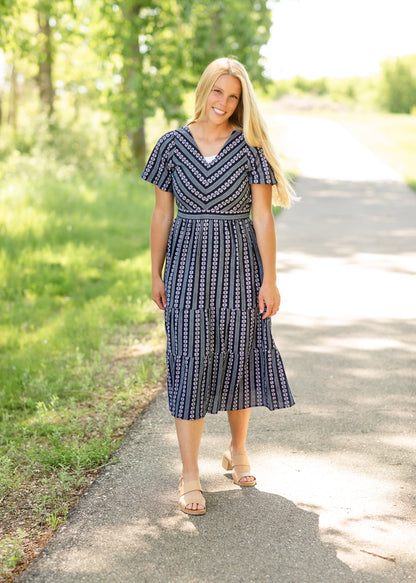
x,y
81,345
380,110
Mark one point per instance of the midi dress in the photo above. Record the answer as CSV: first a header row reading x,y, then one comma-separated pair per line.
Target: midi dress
x,y
221,355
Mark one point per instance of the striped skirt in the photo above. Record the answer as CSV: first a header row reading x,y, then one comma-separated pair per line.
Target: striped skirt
x,y
221,355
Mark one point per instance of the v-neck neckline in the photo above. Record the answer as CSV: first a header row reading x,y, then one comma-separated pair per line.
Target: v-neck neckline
x,y
215,155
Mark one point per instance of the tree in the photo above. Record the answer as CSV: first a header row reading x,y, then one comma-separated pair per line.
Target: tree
x,y
44,77
164,46
135,56
9,13
229,28
398,84
32,33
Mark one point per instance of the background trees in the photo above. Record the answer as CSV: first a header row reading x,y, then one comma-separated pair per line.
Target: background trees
x,y
125,58
398,84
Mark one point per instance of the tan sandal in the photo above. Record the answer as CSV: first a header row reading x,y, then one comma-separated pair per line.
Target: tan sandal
x,y
240,459
185,498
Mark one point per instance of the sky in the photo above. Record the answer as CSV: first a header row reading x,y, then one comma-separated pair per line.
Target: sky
x,y
338,38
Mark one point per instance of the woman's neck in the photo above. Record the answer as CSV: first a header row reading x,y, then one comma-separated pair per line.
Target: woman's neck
x,y
211,132
210,138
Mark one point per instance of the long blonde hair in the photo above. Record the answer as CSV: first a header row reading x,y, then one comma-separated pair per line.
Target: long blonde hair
x,y
246,118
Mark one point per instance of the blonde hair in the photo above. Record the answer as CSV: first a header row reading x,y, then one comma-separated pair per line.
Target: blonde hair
x,y
246,118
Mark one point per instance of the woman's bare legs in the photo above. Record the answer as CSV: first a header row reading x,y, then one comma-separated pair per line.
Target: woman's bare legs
x,y
238,421
189,437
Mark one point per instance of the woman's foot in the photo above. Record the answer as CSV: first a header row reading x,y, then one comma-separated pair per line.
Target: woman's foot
x,y
191,500
237,461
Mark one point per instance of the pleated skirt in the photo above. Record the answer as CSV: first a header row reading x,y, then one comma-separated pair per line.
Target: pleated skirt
x,y
221,355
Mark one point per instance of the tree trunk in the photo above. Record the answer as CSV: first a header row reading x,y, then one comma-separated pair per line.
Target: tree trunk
x,y
138,144
14,97
45,63
133,71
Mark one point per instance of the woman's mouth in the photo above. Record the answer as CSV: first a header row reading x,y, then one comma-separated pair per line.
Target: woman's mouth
x,y
218,111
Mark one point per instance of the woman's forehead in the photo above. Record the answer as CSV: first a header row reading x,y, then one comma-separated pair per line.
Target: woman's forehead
x,y
228,82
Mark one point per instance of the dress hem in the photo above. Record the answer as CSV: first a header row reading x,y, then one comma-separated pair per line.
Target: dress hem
x,y
220,410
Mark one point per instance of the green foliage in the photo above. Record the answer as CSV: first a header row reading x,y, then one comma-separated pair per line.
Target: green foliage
x,y
318,86
131,58
73,455
74,263
74,252
300,85
232,28
11,552
280,88
398,84
74,294
351,92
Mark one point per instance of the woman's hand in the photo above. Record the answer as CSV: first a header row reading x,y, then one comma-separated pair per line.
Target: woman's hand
x,y
158,293
269,300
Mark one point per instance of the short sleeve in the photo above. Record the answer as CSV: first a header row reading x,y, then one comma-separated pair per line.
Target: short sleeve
x,y
159,166
260,171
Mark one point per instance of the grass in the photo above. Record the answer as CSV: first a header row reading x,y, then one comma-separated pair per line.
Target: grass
x,y
81,345
10,553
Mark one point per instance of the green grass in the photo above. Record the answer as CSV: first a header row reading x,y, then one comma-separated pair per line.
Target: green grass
x,y
74,299
10,554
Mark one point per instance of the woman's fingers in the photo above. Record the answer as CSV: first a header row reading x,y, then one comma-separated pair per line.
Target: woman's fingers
x,y
269,303
162,302
269,311
159,295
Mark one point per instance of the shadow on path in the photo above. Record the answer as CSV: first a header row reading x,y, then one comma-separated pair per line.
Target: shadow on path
x,y
127,530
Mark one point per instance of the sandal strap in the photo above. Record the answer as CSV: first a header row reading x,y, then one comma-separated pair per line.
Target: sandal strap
x,y
240,459
186,500
240,475
184,488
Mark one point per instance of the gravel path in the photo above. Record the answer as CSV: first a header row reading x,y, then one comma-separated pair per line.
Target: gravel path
x,y
335,500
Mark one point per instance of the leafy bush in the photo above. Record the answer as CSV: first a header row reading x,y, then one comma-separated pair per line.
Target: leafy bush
x,y
398,84
317,86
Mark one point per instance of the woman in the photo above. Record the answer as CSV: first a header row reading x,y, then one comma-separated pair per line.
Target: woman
x,y
219,285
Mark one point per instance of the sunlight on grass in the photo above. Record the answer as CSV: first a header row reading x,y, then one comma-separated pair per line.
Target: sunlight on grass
x,y
74,295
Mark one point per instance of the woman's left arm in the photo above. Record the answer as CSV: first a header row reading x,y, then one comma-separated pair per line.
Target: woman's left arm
x,y
263,223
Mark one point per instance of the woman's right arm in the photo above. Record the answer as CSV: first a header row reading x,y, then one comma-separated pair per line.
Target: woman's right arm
x,y
161,224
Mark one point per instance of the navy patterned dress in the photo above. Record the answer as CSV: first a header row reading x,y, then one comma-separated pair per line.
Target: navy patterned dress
x,y
221,355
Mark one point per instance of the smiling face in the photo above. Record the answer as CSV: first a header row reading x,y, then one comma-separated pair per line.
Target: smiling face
x,y
223,99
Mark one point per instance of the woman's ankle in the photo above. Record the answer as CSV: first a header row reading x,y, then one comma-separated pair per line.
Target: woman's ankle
x,y
237,449
189,475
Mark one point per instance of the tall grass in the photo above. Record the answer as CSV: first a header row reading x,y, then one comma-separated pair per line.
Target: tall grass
x,y
74,294
74,262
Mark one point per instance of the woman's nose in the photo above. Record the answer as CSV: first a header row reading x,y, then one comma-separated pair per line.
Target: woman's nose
x,y
223,99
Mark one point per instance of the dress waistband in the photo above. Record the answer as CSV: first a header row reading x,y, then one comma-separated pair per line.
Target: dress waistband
x,y
221,216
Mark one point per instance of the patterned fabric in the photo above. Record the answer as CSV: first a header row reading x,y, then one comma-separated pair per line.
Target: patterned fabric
x,y
221,355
